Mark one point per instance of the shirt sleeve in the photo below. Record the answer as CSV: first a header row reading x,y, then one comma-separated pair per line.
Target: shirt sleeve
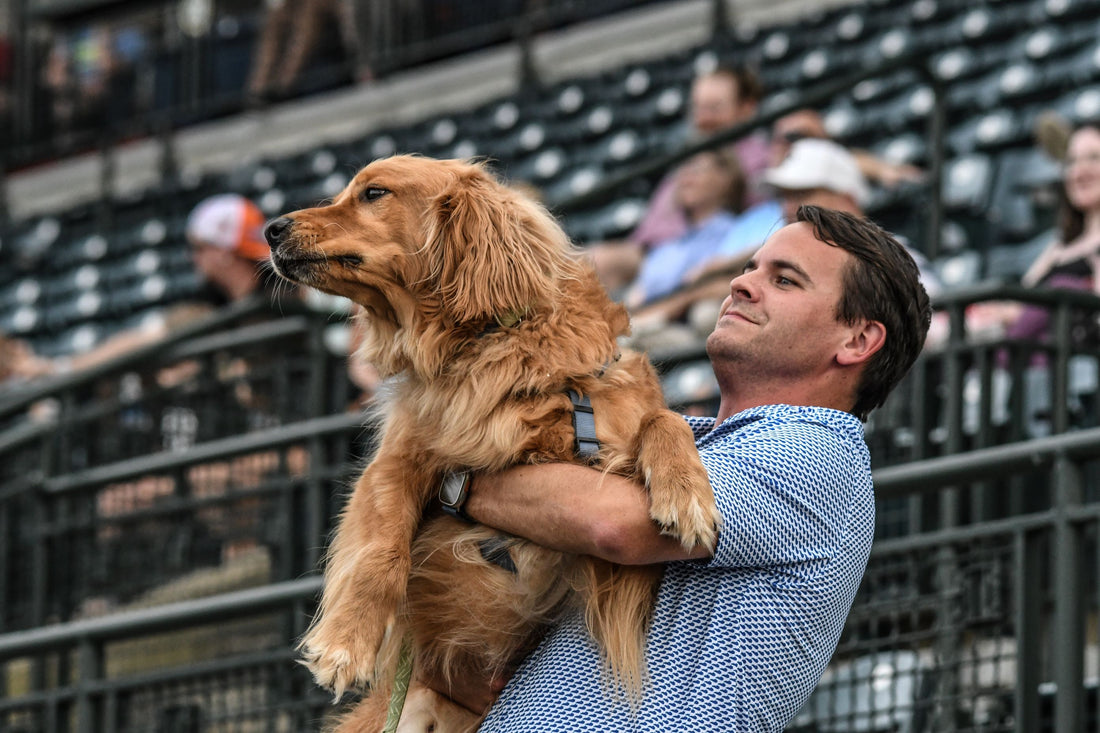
x,y
784,492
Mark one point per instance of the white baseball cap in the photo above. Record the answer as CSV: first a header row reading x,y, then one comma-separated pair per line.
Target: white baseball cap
x,y
816,163
229,221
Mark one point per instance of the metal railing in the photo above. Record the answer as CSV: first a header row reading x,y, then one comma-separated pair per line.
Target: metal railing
x,y
110,498
981,627
230,436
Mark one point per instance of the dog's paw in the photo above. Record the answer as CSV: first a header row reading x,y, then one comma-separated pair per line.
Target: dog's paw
x,y
342,655
685,509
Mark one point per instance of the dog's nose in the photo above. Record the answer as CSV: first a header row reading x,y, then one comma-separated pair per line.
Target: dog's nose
x,y
275,231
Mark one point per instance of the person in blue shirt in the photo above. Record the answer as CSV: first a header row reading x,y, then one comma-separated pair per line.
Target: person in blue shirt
x,y
825,319
710,191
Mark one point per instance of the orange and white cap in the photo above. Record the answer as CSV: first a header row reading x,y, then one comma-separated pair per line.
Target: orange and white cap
x,y
229,221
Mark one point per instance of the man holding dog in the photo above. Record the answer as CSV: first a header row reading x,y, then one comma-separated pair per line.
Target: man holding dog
x,y
823,322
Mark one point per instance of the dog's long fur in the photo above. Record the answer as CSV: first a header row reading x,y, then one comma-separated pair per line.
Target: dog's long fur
x,y
483,315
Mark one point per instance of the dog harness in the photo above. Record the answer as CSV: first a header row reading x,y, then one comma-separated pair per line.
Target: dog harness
x,y
497,550
585,443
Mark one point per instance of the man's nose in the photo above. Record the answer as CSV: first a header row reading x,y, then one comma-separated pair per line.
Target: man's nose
x,y
743,287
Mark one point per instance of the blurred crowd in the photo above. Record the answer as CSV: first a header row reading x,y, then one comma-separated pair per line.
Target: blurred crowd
x,y
704,220
98,77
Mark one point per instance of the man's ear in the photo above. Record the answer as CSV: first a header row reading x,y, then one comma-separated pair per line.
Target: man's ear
x,y
865,339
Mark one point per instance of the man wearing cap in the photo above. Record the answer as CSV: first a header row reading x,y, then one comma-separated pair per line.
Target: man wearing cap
x,y
823,173
227,244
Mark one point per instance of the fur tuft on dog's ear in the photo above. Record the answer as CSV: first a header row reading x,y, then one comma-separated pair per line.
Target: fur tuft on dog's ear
x,y
497,251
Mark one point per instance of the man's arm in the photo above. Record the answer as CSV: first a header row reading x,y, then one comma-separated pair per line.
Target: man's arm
x,y
573,508
570,508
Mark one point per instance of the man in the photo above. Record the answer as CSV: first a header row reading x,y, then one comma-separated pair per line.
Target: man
x,y
823,173
808,123
820,172
720,99
826,318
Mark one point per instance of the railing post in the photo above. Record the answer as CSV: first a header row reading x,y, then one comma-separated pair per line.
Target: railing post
x,y
721,23
89,668
1067,645
1028,621
524,32
947,559
1059,405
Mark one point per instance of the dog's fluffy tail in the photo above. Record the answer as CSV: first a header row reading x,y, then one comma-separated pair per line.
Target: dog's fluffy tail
x,y
618,608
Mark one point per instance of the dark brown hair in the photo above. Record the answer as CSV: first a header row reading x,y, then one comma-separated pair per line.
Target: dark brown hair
x,y
1071,220
727,160
749,86
882,284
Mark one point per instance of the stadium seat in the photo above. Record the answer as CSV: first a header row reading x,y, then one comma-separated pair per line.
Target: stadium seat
x,y
988,131
1008,262
967,183
1078,104
1065,11
539,169
957,270
1013,208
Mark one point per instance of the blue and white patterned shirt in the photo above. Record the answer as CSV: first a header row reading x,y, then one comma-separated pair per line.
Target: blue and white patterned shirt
x,y
738,642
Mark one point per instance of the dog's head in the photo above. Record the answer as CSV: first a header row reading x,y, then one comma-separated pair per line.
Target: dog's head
x,y
412,236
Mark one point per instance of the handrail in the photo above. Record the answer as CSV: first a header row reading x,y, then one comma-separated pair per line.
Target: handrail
x,y
205,452
220,320
932,474
999,290
166,617
918,477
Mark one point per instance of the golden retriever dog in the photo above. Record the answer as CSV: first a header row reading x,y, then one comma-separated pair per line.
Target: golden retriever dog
x,y
484,317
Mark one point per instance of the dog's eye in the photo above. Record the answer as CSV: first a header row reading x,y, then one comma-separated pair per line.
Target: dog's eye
x,y
372,193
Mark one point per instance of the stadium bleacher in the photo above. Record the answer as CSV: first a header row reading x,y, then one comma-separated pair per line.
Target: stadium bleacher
x,y
136,492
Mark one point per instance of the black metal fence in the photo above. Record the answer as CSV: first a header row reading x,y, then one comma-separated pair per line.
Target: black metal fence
x,y
221,663
224,477
217,450
244,453
984,627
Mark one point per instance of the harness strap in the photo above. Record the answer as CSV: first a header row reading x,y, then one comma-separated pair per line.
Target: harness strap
x,y
585,443
495,550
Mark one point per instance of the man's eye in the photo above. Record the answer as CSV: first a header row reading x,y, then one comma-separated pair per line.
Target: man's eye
x,y
372,193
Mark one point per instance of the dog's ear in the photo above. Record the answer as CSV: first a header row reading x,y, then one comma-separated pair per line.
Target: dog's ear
x,y
498,253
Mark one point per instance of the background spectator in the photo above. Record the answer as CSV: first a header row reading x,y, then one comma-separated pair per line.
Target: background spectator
x,y
807,123
227,244
710,191
292,33
816,172
720,99
1072,258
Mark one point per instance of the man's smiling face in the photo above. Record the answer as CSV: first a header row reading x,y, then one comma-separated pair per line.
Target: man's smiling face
x,y
781,311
